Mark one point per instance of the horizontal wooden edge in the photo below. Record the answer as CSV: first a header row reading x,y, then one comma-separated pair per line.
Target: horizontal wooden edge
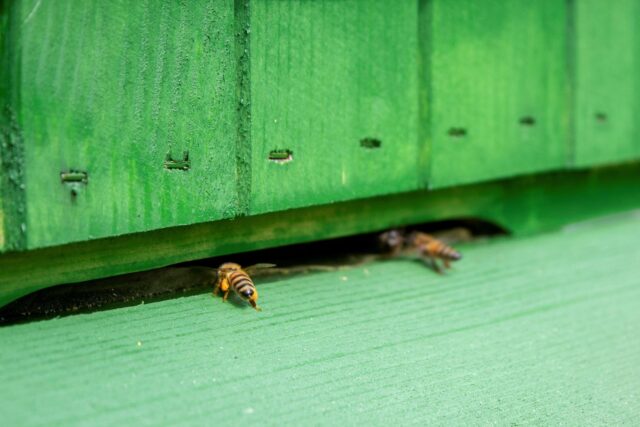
x,y
523,205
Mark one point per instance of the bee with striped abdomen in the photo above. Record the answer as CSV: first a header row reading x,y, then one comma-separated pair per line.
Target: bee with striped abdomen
x,y
395,241
232,276
433,249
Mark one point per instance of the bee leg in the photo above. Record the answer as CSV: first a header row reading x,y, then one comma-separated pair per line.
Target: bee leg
x,y
431,263
224,297
216,288
447,264
436,266
427,260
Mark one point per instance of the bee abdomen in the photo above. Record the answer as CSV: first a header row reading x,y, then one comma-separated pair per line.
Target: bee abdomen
x,y
440,250
241,282
451,254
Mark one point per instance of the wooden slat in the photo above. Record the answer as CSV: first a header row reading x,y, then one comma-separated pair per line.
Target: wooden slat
x,y
111,89
335,83
607,92
497,87
12,188
536,330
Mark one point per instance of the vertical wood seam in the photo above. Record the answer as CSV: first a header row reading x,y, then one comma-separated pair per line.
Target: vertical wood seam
x,y
243,93
571,90
425,139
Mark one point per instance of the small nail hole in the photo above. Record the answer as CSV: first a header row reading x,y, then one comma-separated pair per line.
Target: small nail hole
x,y
281,156
457,132
601,117
527,121
370,143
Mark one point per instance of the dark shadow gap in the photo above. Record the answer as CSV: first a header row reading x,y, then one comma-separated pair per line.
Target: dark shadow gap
x,y
197,277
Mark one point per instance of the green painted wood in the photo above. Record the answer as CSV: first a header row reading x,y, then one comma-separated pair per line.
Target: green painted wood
x,y
3,244
121,91
361,95
497,88
524,206
12,197
528,331
607,89
328,80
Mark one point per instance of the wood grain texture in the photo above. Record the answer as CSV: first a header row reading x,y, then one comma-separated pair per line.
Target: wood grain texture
x,y
364,94
112,89
524,206
497,88
326,75
12,189
538,330
607,89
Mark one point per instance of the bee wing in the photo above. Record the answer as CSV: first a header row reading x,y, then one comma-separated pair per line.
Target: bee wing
x,y
260,266
455,235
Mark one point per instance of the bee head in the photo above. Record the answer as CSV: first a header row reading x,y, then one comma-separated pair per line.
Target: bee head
x,y
253,300
391,239
247,293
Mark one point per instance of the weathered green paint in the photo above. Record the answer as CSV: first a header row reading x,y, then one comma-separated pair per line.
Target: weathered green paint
x,y
493,68
102,101
243,100
326,75
12,197
529,331
607,81
524,205
4,23
2,238
12,194
112,89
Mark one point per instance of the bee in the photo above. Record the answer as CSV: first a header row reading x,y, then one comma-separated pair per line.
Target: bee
x,y
430,248
232,276
433,249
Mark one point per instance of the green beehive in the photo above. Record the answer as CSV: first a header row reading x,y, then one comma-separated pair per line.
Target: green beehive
x,y
124,118
137,135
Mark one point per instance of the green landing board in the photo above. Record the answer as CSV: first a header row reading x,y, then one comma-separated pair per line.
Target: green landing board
x,y
607,85
328,77
112,88
526,331
496,79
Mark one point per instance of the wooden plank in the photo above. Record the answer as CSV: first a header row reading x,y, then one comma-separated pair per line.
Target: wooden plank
x,y
2,238
334,84
497,88
12,198
538,330
120,91
524,206
607,93
4,78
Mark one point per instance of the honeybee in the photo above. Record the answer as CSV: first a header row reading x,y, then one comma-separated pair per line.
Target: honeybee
x,y
427,246
232,276
433,249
